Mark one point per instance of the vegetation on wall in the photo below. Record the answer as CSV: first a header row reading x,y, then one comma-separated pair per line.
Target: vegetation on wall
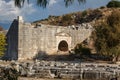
x,y
108,36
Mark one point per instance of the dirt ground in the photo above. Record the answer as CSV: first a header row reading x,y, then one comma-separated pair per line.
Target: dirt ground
x,y
23,78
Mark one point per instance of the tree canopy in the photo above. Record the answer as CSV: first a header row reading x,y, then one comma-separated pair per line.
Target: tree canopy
x,y
2,44
108,36
113,3
43,3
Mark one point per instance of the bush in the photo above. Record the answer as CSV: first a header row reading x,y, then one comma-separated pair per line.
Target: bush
x,y
102,7
84,13
2,44
114,18
80,49
67,20
8,73
113,3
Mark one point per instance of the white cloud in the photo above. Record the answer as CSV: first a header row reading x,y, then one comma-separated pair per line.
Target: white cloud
x,y
51,2
8,11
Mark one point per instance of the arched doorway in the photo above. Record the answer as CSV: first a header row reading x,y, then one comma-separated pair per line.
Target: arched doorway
x,y
63,46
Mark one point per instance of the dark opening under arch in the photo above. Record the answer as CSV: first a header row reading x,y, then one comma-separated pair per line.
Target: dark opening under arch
x,y
63,46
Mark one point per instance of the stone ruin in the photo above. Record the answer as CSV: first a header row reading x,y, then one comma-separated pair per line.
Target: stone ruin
x,y
66,70
25,40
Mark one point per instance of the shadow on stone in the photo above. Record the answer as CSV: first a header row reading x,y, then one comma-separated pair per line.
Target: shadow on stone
x,y
42,55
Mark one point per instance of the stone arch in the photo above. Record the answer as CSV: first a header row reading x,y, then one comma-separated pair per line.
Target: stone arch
x,y
61,39
63,46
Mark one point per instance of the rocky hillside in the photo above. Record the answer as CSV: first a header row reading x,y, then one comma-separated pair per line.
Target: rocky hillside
x,y
93,16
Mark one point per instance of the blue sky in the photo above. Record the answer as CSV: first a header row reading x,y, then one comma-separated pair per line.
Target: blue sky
x,y
31,12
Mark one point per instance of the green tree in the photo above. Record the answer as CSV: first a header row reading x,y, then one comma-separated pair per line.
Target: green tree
x,y
2,44
108,36
113,3
43,3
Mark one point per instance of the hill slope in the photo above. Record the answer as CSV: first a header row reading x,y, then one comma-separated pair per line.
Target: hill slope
x,y
95,17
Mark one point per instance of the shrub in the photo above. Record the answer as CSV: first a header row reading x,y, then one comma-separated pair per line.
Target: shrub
x,y
114,18
2,44
113,3
80,49
84,13
67,20
102,7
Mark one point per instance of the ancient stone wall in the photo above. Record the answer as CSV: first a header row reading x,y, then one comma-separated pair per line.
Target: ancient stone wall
x,y
12,42
45,39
